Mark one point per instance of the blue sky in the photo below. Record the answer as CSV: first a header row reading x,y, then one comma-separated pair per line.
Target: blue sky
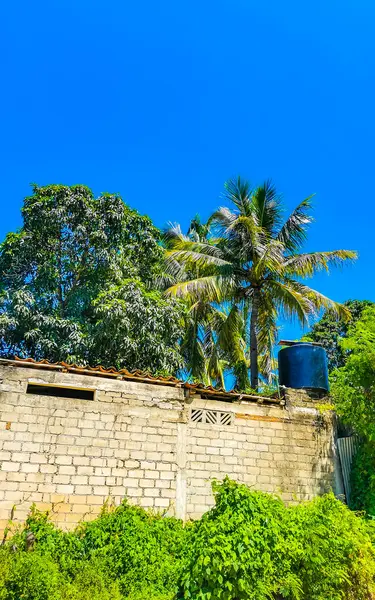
x,y
163,101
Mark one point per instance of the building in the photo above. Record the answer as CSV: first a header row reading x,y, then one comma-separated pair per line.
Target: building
x,y
72,438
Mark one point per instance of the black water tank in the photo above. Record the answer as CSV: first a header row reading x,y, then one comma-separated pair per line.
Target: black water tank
x,y
303,365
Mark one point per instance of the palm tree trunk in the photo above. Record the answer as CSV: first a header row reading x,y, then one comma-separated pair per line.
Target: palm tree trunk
x,y
254,374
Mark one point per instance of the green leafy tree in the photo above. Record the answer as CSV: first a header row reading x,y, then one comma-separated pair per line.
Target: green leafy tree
x,y
61,271
330,330
353,385
137,326
353,391
253,264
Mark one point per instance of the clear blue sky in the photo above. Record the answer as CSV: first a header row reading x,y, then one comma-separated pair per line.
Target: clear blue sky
x,y
163,101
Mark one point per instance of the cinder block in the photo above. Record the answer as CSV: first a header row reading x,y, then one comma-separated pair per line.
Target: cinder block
x,y
10,466
16,477
162,502
59,479
67,470
101,490
146,502
82,490
79,480
29,468
63,460
226,451
94,480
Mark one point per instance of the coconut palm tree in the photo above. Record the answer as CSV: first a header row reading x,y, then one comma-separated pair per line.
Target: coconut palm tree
x,y
252,261
209,345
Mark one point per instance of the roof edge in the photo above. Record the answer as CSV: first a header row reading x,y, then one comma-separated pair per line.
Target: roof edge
x,y
141,377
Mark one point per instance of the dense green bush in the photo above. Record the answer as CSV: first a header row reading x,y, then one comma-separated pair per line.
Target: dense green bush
x,y
236,547
36,576
126,546
249,546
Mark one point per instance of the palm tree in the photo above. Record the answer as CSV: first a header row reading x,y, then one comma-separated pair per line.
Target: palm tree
x,y
252,261
208,347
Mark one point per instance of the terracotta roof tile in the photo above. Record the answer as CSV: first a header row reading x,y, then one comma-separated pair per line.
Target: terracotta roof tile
x,y
138,375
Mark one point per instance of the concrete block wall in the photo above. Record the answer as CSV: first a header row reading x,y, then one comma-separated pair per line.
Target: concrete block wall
x,y
140,440
288,451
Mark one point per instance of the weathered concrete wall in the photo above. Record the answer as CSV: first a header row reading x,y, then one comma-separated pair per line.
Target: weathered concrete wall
x,y
149,443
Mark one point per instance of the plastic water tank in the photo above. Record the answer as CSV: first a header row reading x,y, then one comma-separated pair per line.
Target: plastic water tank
x,y
303,365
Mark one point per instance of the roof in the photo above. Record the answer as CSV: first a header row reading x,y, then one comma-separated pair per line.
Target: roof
x,y
141,376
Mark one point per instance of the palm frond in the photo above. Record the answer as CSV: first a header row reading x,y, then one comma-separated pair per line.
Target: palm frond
x,y
239,192
211,248
267,335
241,236
316,300
230,334
198,230
190,257
163,281
172,234
202,311
270,260
268,368
294,231
266,205
305,265
193,353
216,368
173,269
193,345
319,301
210,288
289,299
267,323
240,372
247,228
222,219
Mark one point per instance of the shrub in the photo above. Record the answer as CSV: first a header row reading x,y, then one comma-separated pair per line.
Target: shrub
x,y
30,576
249,546
125,551
330,551
91,583
235,547
140,549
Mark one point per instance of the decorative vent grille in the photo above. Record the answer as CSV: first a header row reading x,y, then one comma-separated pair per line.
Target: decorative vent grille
x,y
213,417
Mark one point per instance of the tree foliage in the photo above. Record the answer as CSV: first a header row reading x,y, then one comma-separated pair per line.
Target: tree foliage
x,y
213,342
362,496
331,329
250,262
137,326
353,385
249,546
66,281
353,391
